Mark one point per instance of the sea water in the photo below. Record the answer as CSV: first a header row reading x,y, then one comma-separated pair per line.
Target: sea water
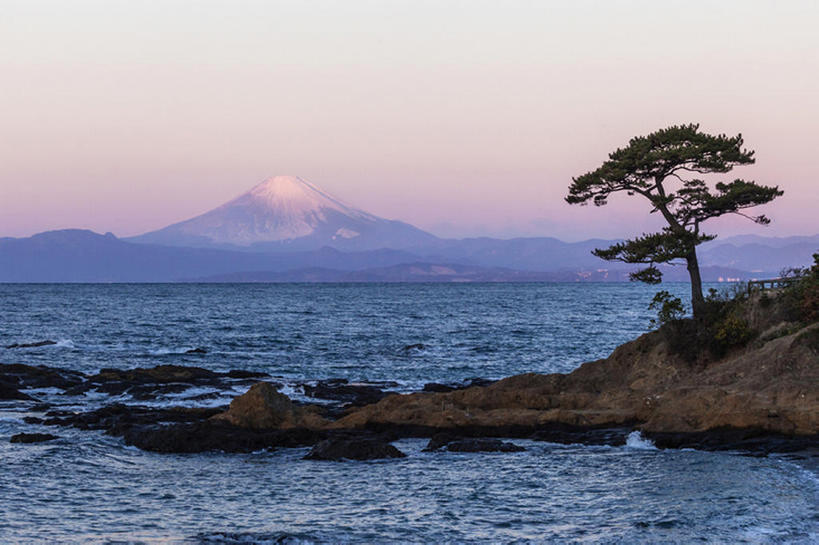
x,y
89,487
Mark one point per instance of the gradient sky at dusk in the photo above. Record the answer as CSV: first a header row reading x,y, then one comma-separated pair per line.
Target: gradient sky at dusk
x,y
463,118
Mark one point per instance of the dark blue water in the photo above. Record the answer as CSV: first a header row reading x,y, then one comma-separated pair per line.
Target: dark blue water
x,y
318,331
88,487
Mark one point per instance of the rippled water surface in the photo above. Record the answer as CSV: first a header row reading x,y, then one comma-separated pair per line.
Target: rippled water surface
x,y
89,487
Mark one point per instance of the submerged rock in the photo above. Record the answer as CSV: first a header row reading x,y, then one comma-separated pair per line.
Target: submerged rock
x,y
141,383
262,407
31,345
241,373
454,444
148,383
411,348
345,448
483,445
39,376
198,350
8,392
118,418
32,437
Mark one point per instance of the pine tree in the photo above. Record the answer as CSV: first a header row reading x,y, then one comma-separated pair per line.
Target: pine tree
x,y
663,167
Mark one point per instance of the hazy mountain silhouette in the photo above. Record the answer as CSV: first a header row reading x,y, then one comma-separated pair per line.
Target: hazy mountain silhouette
x,y
83,256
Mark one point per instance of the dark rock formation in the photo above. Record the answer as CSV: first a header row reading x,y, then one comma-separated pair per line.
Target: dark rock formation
x,y
118,418
441,388
31,345
357,395
353,448
240,373
161,374
32,437
198,350
212,435
483,445
39,376
454,443
8,391
739,439
147,383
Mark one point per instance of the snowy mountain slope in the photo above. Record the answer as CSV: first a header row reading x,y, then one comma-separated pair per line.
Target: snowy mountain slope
x,y
288,213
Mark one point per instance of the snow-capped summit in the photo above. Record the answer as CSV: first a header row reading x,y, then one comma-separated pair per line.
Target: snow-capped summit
x,y
288,212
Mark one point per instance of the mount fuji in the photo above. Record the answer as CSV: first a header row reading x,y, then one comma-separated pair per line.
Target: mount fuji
x,y
288,213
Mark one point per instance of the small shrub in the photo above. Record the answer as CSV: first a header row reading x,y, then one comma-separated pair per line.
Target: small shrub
x,y
730,332
801,299
668,307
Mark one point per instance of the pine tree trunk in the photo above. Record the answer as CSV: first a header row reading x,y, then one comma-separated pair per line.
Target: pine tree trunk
x,y
697,299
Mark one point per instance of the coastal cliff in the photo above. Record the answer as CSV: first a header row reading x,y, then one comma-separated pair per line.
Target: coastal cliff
x,y
773,388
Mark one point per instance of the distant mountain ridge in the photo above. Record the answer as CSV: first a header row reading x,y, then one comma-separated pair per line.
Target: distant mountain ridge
x,y
75,255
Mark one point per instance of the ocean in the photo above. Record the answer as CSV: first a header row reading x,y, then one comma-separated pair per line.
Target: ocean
x,y
88,487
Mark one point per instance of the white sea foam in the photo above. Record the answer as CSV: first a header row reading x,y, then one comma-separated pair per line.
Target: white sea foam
x,y
65,343
636,441
51,390
178,351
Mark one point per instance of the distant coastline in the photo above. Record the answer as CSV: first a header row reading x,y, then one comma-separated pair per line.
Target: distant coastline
x,y
84,256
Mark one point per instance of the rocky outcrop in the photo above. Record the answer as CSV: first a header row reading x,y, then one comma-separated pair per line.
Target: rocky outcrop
x,y
773,388
262,407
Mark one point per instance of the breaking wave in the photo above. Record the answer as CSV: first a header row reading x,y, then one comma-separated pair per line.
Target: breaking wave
x,y
636,441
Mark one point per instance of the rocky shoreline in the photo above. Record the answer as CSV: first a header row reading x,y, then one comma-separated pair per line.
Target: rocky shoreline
x,y
762,399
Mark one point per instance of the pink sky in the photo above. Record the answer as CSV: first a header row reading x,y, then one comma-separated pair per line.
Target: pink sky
x,y
463,118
